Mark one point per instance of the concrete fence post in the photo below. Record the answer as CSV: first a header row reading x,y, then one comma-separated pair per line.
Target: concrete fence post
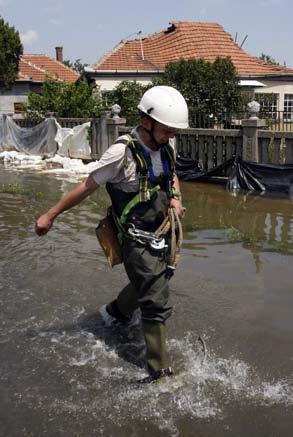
x,y
113,123
102,134
99,135
105,131
113,128
94,138
250,127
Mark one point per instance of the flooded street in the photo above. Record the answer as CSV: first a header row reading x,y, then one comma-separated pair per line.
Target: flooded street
x,y
62,373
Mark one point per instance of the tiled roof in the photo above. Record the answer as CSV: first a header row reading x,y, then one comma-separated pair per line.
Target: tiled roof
x,y
38,67
185,39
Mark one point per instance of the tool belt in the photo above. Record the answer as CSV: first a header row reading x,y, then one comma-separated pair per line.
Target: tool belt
x,y
107,235
168,237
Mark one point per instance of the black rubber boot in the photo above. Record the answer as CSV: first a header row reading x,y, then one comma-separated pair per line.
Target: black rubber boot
x,y
157,375
113,310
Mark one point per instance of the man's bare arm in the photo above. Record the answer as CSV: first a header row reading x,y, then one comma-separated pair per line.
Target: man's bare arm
x,y
74,197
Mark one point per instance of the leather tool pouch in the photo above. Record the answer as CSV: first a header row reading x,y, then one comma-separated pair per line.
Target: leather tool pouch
x,y
107,235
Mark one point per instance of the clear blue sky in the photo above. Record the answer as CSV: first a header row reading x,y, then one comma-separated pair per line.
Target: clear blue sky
x,y
87,29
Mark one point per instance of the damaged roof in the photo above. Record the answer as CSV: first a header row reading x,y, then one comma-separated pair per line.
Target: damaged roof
x,y
188,40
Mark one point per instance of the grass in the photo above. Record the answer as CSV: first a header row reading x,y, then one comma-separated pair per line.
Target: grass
x,y
235,236
17,189
252,240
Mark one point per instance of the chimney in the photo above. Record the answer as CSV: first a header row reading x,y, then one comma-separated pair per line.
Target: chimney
x,y
59,54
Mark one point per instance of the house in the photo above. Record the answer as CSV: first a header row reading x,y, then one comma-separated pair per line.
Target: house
x,y
33,71
145,58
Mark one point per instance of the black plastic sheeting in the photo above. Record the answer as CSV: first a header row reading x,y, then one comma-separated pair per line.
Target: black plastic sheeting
x,y
252,176
241,175
187,169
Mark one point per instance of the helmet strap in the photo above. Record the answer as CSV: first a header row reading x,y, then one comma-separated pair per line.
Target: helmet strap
x,y
151,133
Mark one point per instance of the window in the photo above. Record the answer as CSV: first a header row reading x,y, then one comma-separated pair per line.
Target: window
x,y
19,107
268,104
288,107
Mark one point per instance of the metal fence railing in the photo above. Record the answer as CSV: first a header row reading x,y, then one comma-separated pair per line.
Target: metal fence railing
x,y
281,121
210,147
217,120
275,120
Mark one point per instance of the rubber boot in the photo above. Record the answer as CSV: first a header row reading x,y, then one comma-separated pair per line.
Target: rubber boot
x,y
155,340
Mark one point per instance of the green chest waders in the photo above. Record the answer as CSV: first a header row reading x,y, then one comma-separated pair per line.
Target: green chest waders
x,y
149,286
146,268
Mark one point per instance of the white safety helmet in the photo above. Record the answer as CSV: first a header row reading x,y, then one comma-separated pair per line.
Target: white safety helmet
x,y
166,105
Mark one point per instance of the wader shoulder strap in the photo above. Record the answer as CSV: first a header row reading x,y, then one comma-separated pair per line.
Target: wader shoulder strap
x,y
134,146
143,158
135,201
169,154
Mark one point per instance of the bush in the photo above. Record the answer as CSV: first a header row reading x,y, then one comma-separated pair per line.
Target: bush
x,y
127,95
69,100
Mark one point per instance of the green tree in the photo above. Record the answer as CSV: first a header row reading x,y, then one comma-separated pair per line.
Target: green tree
x,y
64,100
10,52
268,59
127,95
208,87
77,65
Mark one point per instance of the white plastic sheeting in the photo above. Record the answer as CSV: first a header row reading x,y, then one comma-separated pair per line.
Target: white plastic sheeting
x,y
46,139
38,140
73,142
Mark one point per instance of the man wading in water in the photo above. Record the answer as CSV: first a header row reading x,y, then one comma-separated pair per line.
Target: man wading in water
x,y
138,171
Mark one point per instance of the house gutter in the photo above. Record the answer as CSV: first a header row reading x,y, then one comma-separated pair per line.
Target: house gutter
x,y
281,77
88,70
37,82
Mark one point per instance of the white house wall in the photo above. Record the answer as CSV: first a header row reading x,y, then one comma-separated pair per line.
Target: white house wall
x,y
108,84
276,87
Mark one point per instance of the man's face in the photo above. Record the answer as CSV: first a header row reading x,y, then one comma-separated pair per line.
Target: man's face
x,y
161,132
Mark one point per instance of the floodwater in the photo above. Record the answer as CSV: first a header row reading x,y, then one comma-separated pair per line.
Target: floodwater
x,y
63,374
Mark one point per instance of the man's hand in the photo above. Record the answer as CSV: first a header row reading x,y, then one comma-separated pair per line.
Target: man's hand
x,y
43,224
74,197
176,203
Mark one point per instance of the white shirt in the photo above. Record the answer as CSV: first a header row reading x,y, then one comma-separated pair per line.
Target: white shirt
x,y
111,168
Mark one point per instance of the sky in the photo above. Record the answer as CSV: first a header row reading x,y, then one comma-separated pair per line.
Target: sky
x,y
88,29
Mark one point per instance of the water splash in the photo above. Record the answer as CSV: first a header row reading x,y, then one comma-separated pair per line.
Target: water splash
x,y
202,389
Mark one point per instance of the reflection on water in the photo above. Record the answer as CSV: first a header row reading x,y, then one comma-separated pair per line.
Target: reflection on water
x,y
216,217
251,218
64,373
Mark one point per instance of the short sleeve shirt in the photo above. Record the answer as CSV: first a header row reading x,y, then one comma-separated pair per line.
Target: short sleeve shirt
x,y
111,168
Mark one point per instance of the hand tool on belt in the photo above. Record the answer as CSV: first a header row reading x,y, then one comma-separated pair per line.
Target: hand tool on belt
x,y
147,238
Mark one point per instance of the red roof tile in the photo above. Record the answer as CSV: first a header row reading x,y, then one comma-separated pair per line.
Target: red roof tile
x,y
38,67
184,39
